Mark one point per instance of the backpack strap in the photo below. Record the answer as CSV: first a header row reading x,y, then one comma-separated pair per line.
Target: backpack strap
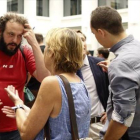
x,y
21,50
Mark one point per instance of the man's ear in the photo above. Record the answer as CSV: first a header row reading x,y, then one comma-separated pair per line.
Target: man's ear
x,y
101,32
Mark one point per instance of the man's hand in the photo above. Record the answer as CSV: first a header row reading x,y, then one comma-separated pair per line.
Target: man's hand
x,y
11,113
30,36
103,119
104,65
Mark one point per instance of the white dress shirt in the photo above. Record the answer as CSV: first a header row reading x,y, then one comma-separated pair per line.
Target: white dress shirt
x,y
96,106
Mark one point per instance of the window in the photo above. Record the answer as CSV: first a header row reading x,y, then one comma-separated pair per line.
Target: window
x,y
42,8
116,4
15,6
72,7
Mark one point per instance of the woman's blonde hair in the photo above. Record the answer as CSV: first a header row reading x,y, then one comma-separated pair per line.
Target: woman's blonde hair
x,y
67,48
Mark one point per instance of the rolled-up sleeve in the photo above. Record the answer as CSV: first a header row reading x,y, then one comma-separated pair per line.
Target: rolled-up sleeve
x,y
123,84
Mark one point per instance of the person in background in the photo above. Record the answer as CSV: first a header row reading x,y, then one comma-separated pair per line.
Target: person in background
x,y
13,67
123,113
88,53
62,56
39,38
96,82
103,53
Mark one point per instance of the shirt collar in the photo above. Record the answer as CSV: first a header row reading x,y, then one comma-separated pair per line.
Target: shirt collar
x,y
121,43
85,62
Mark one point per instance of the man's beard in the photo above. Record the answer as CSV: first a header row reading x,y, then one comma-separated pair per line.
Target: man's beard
x,y
3,47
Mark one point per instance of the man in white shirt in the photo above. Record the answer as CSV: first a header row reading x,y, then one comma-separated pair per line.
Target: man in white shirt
x,y
96,82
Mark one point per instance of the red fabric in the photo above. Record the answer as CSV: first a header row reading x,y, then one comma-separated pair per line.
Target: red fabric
x,y
13,72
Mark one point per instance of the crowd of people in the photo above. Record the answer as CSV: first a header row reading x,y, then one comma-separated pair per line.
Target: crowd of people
x,y
106,95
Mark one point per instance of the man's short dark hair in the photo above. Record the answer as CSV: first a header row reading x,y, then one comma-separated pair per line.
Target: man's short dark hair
x,y
107,18
104,52
39,38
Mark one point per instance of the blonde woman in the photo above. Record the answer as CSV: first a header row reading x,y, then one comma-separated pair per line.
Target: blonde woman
x,y
62,56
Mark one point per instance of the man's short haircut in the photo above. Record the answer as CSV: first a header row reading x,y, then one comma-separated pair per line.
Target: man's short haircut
x,y
67,49
104,52
39,38
78,31
11,17
107,18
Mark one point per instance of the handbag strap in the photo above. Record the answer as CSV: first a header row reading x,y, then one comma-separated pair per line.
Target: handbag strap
x,y
74,129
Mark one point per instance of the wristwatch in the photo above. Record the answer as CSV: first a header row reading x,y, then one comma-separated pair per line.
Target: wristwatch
x,y
17,107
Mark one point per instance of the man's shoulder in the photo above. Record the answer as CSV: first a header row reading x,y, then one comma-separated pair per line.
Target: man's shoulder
x,y
25,50
93,61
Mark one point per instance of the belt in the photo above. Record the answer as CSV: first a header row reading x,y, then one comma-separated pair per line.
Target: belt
x,y
95,120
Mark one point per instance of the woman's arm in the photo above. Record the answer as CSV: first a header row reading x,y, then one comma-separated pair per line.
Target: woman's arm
x,y
43,107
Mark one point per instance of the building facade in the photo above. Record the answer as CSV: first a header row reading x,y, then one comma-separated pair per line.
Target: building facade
x,y
74,14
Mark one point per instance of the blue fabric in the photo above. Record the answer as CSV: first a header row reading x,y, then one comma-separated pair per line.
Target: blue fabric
x,y
60,126
40,135
79,73
101,80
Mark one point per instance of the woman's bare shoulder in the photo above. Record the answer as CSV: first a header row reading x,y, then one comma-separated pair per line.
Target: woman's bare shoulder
x,y
49,79
50,83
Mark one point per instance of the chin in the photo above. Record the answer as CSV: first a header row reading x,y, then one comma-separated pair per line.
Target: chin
x,y
11,50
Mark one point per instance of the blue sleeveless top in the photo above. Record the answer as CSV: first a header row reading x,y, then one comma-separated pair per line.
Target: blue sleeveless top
x,y
60,126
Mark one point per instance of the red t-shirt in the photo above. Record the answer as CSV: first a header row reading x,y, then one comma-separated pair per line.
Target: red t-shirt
x,y
13,72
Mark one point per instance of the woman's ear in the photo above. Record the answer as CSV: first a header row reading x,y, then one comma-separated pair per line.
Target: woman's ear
x,y
50,53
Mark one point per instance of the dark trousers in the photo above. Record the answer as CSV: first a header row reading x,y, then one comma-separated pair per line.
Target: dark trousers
x,y
12,135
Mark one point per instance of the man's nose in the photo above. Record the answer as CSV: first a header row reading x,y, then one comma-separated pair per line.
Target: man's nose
x,y
15,39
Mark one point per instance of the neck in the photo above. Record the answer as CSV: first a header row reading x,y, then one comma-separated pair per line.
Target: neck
x,y
114,39
63,73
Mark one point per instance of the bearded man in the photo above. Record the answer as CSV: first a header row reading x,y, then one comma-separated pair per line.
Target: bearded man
x,y
13,67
